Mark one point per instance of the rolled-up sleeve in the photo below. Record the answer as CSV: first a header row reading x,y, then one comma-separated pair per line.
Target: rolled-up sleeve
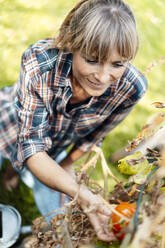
x,y
33,114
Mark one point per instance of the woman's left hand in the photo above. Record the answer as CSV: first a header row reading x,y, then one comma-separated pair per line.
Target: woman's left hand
x,y
98,213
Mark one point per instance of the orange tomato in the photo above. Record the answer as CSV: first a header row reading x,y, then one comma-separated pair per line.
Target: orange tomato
x,y
118,223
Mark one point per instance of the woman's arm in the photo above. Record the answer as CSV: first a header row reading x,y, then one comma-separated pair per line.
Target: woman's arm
x,y
55,177
72,157
51,174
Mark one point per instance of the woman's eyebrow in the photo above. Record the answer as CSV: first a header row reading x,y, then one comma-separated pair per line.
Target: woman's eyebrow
x,y
119,61
90,56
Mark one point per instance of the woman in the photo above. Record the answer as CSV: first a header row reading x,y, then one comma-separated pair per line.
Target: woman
x,y
73,90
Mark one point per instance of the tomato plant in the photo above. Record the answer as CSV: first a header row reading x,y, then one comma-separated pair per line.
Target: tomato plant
x,y
118,223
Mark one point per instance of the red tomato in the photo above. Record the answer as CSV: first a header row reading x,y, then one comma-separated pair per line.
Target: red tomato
x,y
118,223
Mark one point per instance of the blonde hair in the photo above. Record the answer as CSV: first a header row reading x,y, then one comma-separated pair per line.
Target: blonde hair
x,y
99,26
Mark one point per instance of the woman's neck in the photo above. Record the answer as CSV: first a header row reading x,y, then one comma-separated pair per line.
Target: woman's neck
x,y
79,94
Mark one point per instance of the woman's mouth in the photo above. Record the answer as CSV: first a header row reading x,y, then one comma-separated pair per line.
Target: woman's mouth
x,y
95,85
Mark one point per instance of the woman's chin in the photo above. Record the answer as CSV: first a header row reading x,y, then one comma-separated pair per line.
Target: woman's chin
x,y
96,92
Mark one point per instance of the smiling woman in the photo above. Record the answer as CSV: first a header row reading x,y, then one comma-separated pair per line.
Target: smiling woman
x,y
72,90
91,77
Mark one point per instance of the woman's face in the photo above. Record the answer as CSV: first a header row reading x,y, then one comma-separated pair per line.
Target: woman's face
x,y
93,77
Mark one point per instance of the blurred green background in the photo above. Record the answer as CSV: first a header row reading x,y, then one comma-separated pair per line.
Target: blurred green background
x,y
23,22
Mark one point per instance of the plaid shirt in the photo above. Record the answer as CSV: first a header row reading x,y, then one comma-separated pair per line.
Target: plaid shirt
x,y
33,116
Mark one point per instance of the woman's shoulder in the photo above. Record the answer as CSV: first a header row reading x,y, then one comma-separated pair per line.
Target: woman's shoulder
x,y
42,53
137,79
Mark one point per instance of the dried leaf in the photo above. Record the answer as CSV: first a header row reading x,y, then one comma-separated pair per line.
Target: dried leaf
x,y
91,163
104,163
153,152
134,143
153,64
159,104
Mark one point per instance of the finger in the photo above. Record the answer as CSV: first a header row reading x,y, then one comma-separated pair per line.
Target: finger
x,y
105,220
102,209
107,237
99,229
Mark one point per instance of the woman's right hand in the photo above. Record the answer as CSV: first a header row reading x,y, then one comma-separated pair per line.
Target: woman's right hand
x,y
98,213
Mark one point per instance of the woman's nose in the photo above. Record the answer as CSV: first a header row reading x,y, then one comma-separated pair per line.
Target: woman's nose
x,y
104,74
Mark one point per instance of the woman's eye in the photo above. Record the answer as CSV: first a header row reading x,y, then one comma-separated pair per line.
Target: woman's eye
x,y
91,61
121,64
117,65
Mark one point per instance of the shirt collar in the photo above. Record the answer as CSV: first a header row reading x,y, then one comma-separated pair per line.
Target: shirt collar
x,y
63,69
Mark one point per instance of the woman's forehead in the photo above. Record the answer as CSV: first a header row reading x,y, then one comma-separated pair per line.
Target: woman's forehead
x,y
112,57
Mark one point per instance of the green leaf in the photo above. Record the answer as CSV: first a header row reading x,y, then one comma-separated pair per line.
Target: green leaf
x,y
137,166
134,164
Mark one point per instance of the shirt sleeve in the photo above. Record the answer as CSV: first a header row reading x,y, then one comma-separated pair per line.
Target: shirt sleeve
x,y
32,110
117,116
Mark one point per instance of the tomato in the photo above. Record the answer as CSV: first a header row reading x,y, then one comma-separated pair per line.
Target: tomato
x,y
118,223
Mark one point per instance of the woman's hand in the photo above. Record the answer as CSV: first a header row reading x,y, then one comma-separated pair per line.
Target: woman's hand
x,y
98,213
55,177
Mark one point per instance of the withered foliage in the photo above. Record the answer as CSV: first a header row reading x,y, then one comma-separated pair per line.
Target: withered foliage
x,y
130,194
73,229
150,131
151,226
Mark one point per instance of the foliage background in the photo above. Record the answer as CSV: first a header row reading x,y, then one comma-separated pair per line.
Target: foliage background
x,y
23,22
